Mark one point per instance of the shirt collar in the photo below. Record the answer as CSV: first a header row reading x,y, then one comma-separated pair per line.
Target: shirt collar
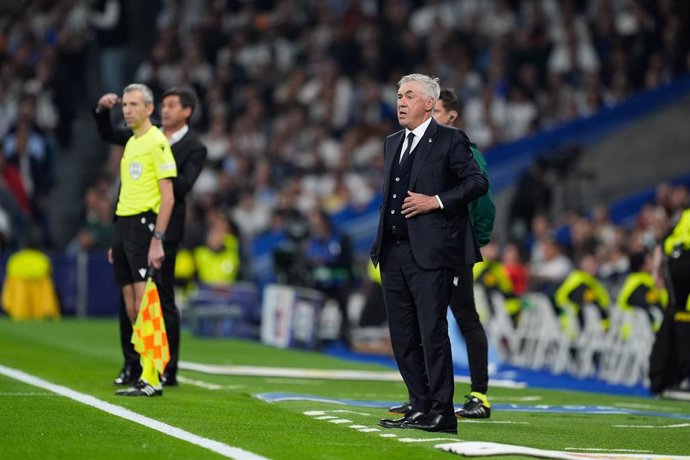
x,y
419,130
177,135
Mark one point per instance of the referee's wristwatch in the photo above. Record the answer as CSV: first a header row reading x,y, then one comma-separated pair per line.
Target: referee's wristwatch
x,y
159,235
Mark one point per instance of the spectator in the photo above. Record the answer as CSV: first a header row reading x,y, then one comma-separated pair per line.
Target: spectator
x,y
513,263
110,21
579,289
548,273
328,256
96,231
28,291
218,260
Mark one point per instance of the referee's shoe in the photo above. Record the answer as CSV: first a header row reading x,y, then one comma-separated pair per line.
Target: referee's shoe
x,y
141,388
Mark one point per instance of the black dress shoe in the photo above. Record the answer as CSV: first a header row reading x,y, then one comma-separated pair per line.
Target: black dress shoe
x,y
169,380
398,423
404,409
127,376
434,423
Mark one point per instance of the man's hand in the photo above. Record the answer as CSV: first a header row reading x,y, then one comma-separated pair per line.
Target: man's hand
x,y
108,101
110,255
418,203
156,254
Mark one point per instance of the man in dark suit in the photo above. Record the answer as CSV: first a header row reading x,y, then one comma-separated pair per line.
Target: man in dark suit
x,y
482,214
190,154
424,234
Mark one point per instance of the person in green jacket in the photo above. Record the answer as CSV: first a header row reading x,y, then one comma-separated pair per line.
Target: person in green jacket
x,y
482,214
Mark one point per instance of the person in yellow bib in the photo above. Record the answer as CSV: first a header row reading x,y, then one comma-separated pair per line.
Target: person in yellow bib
x,y
28,291
142,214
669,362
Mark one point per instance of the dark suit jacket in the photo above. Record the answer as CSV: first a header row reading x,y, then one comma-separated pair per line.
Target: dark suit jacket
x,y
443,165
190,155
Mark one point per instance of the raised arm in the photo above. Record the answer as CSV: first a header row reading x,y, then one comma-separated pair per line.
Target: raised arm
x,y
108,133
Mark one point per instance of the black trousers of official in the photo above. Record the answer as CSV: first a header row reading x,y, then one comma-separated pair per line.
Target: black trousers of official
x,y
165,282
465,311
417,305
669,362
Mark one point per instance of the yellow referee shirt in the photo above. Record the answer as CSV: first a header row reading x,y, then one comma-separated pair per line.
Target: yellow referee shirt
x,y
146,160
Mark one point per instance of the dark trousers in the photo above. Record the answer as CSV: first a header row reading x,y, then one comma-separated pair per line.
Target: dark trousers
x,y
464,309
165,281
670,358
417,304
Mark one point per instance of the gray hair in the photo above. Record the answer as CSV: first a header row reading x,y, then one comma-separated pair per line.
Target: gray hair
x,y
145,91
431,86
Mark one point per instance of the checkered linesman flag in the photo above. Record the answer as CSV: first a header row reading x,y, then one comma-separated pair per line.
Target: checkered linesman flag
x,y
149,336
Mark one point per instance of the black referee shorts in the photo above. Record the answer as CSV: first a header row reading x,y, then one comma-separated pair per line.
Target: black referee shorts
x,y
130,247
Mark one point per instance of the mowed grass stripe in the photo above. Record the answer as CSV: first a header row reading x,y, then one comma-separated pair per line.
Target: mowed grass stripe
x,y
210,444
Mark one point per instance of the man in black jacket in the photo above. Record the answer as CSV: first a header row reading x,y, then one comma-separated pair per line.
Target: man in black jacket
x,y
190,154
424,234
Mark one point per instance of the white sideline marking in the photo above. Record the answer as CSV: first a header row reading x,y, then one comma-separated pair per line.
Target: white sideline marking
x,y
284,381
646,407
422,439
214,446
25,394
199,383
502,422
319,415
516,398
259,371
208,385
596,449
679,425
345,411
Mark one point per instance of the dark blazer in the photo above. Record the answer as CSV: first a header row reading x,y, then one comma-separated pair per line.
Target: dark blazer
x,y
443,165
190,155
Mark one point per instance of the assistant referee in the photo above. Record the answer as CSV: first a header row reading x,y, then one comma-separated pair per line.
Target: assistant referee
x,y
143,211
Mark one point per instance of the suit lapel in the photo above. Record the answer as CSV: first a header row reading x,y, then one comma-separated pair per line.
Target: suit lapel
x,y
179,148
422,150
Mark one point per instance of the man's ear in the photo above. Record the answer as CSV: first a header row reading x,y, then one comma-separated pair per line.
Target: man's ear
x,y
452,116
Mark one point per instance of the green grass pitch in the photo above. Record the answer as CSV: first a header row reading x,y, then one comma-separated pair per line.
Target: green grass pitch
x,y
83,355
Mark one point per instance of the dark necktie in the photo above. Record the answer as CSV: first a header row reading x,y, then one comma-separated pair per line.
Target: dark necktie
x,y
410,138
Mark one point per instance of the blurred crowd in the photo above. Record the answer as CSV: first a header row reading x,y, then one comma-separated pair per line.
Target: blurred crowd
x,y
296,97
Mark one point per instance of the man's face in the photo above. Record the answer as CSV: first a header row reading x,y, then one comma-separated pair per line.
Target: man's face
x,y
134,109
443,116
173,115
414,108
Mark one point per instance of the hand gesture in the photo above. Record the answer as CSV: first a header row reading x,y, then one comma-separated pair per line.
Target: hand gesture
x,y
418,203
108,101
